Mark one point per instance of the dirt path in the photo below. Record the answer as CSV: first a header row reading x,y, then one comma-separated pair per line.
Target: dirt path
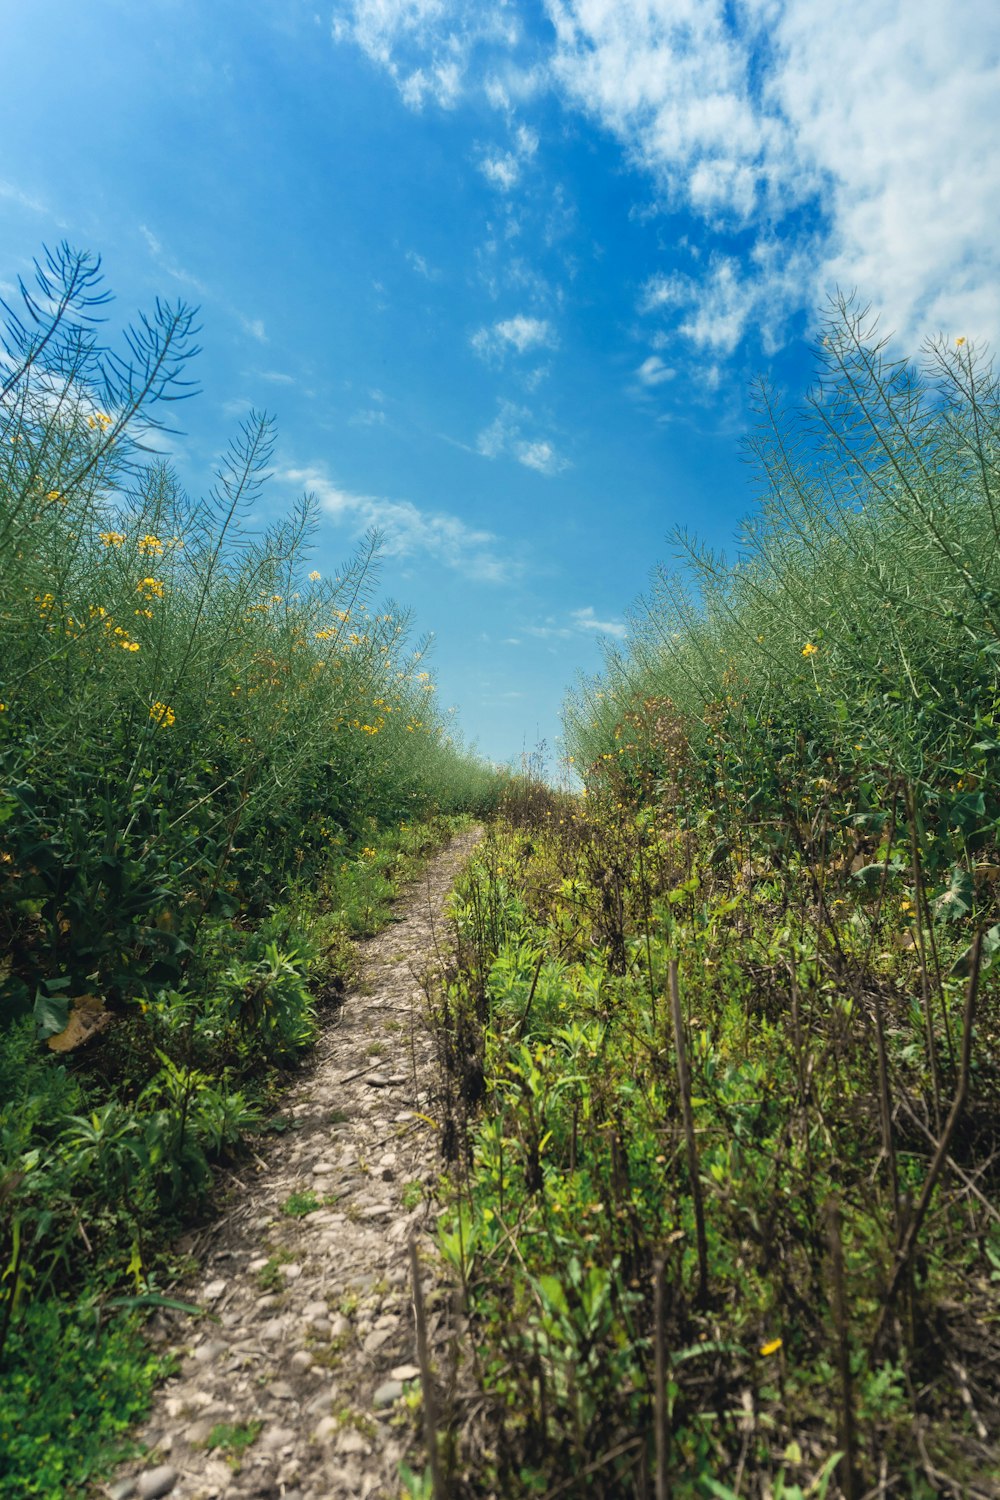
x,y
312,1339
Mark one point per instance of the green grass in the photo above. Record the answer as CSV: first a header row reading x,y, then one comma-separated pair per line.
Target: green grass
x,y
297,1205
73,1385
791,794
216,770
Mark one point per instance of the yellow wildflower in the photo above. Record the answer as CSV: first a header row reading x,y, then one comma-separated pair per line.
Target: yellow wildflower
x,y
771,1347
809,649
314,577
112,538
162,713
959,342
55,495
150,545
152,587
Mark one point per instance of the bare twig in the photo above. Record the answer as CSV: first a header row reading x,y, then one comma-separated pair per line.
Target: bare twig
x,y
427,1385
684,1079
848,1470
909,1238
660,1419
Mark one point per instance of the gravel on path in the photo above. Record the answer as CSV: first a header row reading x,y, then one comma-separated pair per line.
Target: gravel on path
x,y
295,1388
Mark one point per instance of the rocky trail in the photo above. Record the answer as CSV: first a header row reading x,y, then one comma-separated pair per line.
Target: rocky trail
x,y
295,1387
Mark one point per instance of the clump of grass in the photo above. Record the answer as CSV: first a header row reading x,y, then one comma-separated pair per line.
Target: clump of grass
x,y
720,1021
297,1205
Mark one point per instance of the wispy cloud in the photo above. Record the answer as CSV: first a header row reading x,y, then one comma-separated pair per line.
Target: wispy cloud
x,y
167,263
505,435
420,265
818,146
586,619
427,46
579,621
14,194
520,333
276,377
653,372
407,530
744,114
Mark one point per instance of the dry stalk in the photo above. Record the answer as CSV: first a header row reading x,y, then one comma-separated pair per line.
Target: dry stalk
x,y
426,1382
684,1080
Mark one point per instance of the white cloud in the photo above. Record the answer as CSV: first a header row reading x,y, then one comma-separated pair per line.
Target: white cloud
x,y
407,530
501,171
276,377
848,144
253,326
580,621
427,46
878,115
520,333
505,436
420,265
586,619
653,372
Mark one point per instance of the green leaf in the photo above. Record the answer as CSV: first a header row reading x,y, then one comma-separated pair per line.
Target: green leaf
x,y
962,966
51,1012
957,900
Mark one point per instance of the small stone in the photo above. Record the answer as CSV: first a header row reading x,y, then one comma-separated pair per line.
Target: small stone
x,y
326,1430
209,1351
324,1169
123,1490
352,1442
301,1360
258,1264
320,1327
214,1290
406,1372
156,1482
377,1211
340,1327
291,1272
376,1339
281,1390
387,1393
314,1309
273,1438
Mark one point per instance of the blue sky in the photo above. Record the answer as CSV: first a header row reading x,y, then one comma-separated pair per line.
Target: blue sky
x,y
503,273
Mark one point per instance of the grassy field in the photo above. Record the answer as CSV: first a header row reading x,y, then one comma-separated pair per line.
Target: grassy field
x,y
721,1058
215,768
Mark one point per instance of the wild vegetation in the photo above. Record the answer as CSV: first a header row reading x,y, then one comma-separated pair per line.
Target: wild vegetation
x,y
215,764
722,1050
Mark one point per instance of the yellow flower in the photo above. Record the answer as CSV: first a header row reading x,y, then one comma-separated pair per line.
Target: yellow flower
x,y
130,645
809,649
314,577
162,713
3,708
150,545
112,538
959,342
771,1347
55,495
151,587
